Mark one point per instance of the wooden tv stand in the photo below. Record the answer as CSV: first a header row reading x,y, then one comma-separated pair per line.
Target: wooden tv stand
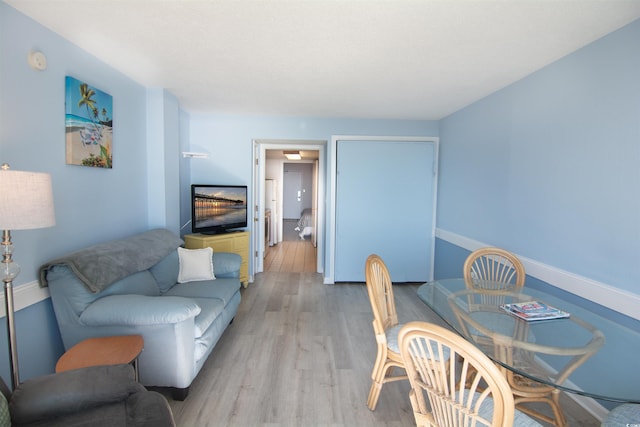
x,y
234,242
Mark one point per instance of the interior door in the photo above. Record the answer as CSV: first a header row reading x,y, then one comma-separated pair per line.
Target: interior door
x,y
292,195
385,205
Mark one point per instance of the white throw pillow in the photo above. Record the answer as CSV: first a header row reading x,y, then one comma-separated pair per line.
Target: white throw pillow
x,y
195,265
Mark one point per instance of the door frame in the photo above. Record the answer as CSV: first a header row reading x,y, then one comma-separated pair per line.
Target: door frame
x,y
330,276
260,146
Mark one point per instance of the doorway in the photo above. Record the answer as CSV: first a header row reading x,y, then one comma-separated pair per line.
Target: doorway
x,y
304,190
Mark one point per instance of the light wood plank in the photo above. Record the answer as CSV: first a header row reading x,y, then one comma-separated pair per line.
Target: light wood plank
x,y
300,353
291,256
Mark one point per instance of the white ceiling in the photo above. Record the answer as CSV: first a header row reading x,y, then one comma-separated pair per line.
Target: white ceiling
x,y
397,59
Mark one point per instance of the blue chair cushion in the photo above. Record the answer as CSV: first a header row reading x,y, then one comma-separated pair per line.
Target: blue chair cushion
x,y
519,419
394,345
392,338
623,415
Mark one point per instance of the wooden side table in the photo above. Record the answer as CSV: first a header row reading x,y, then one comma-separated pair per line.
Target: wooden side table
x,y
102,351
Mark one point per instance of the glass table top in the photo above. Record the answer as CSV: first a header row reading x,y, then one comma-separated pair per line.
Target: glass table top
x,y
584,353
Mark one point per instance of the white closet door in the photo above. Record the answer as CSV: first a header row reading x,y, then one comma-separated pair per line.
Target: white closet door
x,y
385,205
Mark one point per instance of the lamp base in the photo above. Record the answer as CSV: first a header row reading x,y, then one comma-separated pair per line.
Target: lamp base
x,y
9,272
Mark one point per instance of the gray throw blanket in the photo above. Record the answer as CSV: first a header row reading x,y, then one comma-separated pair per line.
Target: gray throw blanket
x,y
101,265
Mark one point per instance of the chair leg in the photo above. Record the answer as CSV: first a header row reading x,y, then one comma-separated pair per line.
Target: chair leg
x,y
377,377
374,394
558,419
557,410
380,372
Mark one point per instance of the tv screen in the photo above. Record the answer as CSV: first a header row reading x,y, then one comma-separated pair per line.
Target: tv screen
x,y
218,208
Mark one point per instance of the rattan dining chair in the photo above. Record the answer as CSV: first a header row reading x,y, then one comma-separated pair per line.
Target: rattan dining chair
x,y
440,395
493,269
520,351
385,327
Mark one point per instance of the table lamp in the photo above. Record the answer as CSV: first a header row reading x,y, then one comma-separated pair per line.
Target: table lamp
x,y
26,202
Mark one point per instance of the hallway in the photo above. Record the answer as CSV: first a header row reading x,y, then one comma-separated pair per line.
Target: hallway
x,y
292,255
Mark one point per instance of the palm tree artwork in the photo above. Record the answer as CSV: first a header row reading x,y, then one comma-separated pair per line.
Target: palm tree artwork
x,y
88,124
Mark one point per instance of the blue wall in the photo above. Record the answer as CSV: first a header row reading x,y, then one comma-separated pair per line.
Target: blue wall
x,y
548,167
92,205
229,142
228,139
149,183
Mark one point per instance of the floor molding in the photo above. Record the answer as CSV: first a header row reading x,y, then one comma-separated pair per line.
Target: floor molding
x,y
606,295
25,296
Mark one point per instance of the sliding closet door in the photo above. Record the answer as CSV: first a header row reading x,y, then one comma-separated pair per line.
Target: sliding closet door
x,y
385,205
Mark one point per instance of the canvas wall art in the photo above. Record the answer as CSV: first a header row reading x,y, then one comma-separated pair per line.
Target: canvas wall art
x,y
88,124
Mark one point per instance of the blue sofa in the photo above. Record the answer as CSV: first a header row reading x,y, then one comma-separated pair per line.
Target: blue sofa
x,y
130,286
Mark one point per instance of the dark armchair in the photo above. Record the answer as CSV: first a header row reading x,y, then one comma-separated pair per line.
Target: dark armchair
x,y
95,396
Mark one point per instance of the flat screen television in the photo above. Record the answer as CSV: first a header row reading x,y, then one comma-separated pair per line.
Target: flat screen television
x,y
218,208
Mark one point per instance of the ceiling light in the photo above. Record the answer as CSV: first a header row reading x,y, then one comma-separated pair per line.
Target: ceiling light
x,y
293,155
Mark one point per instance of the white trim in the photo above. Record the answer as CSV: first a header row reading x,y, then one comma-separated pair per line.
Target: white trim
x,y
616,299
32,293
260,146
25,296
590,405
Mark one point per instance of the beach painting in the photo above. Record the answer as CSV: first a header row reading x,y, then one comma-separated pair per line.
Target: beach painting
x,y
88,124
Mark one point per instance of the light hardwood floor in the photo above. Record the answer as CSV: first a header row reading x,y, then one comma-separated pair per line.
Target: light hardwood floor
x,y
300,353
298,256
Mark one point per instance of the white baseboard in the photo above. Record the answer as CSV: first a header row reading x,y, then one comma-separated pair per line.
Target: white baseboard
x,y
32,293
608,296
24,296
590,405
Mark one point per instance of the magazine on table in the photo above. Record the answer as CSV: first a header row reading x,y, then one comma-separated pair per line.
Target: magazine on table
x,y
534,310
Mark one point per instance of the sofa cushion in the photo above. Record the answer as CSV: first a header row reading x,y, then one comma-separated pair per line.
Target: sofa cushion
x,y
142,283
166,271
195,265
223,289
227,264
139,310
71,292
210,310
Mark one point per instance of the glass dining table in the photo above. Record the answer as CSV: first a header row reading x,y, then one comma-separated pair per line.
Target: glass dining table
x,y
585,353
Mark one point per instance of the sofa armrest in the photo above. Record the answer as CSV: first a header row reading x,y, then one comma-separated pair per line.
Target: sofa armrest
x,y
139,310
226,264
70,392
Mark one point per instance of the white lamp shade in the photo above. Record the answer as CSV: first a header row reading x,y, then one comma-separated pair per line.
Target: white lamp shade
x,y
26,200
